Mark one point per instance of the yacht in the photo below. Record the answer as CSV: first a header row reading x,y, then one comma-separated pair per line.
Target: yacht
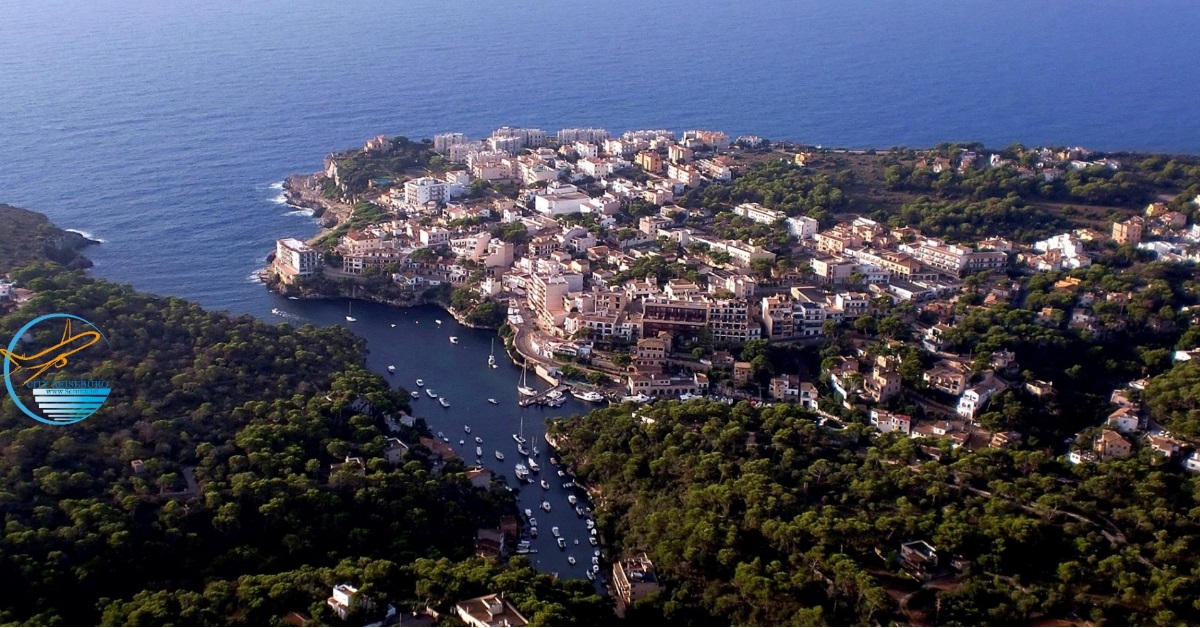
x,y
546,506
521,450
562,543
453,340
533,521
638,398
572,499
589,396
533,465
478,440
415,395
554,395
554,531
432,395
492,401
479,452
545,485
521,471
391,369
421,382
442,400
528,513
499,455
467,429
524,388
533,532
592,531
571,559
592,540
520,440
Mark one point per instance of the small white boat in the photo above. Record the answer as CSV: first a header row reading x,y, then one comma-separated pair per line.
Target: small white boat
x,y
393,324
521,471
461,442
592,540
590,576
592,531
562,543
572,499
579,511
533,532
533,465
479,452
446,438
391,369
528,513
590,523
545,485
596,553
521,450
533,521
350,312
293,298
554,395
499,456
442,400
554,531
520,440
546,506
589,396
438,321
535,451
561,474
453,340
467,429
421,382
479,440
595,560
415,395
492,401
571,559
568,485
432,395
441,435
495,366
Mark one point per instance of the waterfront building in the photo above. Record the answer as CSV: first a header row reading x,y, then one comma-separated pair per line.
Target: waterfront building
x,y
294,258
443,141
570,136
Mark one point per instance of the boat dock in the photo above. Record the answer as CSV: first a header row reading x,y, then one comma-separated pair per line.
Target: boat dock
x,y
541,397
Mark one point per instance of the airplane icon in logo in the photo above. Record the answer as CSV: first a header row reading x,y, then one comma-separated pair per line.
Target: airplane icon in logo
x,y
54,357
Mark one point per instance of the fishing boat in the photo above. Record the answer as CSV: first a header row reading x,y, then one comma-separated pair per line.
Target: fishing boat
x,y
492,401
442,400
391,369
432,395
453,340
533,465
415,395
467,429
421,382
546,506
590,396
545,485
572,499
479,440
479,452
524,388
554,531
499,455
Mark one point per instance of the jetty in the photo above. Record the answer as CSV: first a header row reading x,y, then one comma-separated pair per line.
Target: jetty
x,y
542,398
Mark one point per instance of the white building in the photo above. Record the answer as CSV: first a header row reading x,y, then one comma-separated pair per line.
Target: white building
x,y
560,198
345,600
443,141
428,189
570,136
299,259
758,213
802,227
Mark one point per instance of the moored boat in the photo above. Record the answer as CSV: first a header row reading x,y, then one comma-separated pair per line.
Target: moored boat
x,y
589,396
391,369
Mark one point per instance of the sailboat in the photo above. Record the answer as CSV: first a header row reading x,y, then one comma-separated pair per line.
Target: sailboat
x,y
524,388
350,312
492,355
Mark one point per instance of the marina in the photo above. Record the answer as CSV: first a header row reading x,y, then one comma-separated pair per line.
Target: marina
x,y
464,376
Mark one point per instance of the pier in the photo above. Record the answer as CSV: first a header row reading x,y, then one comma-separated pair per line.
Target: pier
x,y
542,397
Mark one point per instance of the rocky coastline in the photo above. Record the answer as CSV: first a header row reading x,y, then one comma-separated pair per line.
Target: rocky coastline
x,y
304,192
